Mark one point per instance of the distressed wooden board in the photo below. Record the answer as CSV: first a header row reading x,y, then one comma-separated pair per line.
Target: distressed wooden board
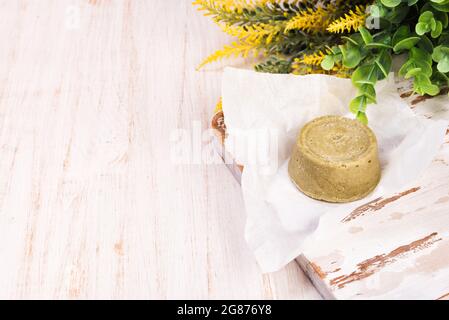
x,y
396,247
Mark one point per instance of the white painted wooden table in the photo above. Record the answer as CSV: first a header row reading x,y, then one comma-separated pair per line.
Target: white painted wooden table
x,y
90,205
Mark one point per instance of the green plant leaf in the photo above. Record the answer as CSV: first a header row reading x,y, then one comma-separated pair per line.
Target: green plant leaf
x,y
361,116
357,104
351,56
364,75
401,33
436,31
423,85
398,13
377,11
383,63
350,40
443,17
391,3
412,73
441,55
328,62
443,7
366,35
406,44
440,79
443,65
378,45
422,28
426,17
426,44
369,92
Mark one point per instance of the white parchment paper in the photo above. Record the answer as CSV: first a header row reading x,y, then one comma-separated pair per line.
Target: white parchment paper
x,y
264,113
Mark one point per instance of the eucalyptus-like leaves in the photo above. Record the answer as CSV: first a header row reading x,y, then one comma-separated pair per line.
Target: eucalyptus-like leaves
x,y
416,29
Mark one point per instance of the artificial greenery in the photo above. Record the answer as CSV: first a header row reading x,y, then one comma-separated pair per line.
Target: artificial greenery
x,y
291,35
417,29
275,64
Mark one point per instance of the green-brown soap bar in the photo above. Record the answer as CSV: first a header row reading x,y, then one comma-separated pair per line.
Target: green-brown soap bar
x,y
335,159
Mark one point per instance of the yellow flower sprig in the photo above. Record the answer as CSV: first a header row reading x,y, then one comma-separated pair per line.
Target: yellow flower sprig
x,y
310,64
219,106
350,22
313,59
235,49
282,29
310,20
256,34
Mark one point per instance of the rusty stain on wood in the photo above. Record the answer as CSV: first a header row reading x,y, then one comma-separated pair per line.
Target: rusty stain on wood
x,y
406,94
361,210
370,266
419,99
377,204
322,274
317,269
423,98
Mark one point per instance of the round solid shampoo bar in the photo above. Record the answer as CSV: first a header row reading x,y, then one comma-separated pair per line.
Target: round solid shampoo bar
x,y
335,159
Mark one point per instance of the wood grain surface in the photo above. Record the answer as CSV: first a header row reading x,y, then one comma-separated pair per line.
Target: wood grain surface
x,y
90,204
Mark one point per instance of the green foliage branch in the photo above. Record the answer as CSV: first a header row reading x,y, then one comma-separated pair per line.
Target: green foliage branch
x,y
417,29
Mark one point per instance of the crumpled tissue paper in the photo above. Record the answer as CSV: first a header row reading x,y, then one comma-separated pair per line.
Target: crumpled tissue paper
x,y
264,113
